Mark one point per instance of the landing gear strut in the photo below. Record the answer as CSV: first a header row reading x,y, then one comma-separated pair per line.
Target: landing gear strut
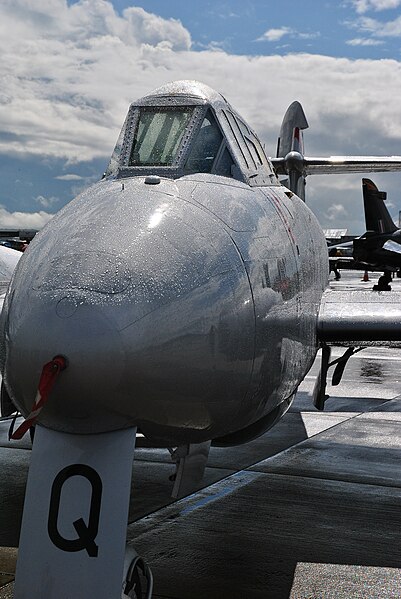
x,y
383,284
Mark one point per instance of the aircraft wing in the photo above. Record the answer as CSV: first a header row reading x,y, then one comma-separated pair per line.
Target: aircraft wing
x,y
341,249
344,245
335,164
360,318
392,246
344,260
349,263
354,319
291,160
27,234
351,164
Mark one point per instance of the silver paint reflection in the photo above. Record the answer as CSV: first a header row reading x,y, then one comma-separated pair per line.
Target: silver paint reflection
x,y
186,305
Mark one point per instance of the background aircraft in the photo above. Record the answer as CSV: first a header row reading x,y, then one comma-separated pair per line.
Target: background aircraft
x,y
379,249
8,261
183,295
380,246
10,252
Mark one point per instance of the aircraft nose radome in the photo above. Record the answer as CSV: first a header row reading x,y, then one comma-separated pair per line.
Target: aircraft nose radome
x,y
158,333
92,346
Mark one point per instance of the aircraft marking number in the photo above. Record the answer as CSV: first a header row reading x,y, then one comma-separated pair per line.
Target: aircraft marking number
x,y
87,533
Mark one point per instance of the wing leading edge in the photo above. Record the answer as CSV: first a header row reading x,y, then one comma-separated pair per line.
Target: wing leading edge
x,y
339,164
351,164
354,319
360,318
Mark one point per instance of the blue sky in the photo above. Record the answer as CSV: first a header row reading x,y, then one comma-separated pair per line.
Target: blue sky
x,y
70,69
342,28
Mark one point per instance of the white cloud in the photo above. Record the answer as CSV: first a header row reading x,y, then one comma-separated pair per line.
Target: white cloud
x,y
23,220
47,202
69,177
334,211
360,41
380,28
377,30
308,36
362,6
152,29
274,35
68,74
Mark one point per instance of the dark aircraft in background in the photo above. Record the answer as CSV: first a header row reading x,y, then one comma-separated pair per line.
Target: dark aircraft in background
x,y
379,249
380,246
183,296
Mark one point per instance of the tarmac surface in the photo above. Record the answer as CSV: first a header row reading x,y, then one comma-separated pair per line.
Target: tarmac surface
x,y
310,510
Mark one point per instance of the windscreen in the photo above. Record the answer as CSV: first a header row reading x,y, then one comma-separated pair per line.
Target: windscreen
x,y
205,147
158,135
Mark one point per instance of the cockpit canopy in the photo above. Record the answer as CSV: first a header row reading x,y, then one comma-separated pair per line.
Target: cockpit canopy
x,y
186,128
158,135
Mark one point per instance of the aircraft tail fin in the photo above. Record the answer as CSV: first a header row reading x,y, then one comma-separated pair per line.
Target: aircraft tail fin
x,y
377,216
290,139
290,148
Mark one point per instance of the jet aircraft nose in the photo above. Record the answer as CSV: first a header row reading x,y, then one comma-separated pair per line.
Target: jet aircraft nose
x,y
148,298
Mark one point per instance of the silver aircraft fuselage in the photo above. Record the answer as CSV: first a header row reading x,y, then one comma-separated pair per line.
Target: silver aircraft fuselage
x,y
185,305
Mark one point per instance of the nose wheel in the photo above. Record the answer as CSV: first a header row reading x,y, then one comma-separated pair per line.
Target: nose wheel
x,y
138,579
383,284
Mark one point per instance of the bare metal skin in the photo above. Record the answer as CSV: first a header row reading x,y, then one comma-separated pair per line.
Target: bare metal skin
x,y
185,302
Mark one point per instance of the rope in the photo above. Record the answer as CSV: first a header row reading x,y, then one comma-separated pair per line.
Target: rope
x,y
50,372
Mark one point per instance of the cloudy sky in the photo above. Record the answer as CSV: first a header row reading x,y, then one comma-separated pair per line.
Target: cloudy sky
x,y
69,71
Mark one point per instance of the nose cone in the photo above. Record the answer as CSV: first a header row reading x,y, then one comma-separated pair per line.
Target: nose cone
x,y
67,324
149,301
